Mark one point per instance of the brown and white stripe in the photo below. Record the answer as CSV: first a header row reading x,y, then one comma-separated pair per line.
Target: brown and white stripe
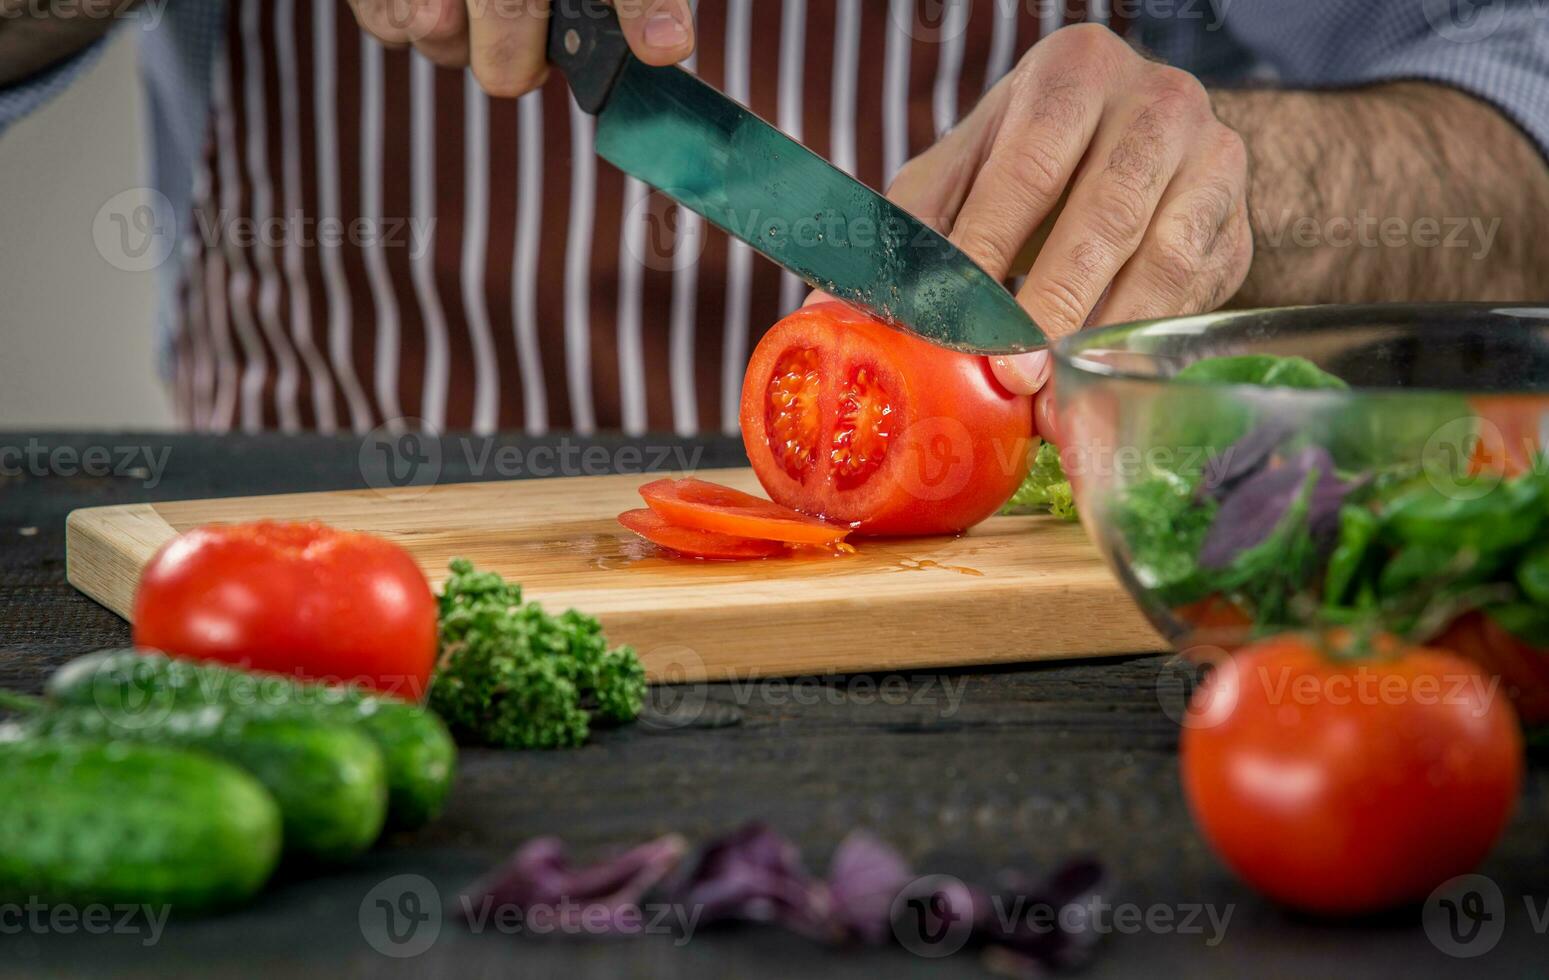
x,y
300,310
460,262
793,49
260,393
385,303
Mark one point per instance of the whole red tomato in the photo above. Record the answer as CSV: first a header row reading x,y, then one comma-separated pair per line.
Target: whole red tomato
x,y
1337,784
852,421
298,599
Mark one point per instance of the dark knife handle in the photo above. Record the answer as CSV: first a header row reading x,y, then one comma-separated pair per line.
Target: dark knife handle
x,y
588,45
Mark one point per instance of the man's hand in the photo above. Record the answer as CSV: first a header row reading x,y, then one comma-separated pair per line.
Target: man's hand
x,y
1147,189
505,41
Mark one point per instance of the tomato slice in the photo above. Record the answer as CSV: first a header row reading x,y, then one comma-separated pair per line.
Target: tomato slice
x,y
1511,433
693,542
848,419
707,506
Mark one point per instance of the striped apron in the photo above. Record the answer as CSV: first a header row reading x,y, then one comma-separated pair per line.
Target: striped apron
x,y
377,242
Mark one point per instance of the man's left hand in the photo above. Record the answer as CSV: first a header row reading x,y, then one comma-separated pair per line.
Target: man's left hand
x,y
1154,219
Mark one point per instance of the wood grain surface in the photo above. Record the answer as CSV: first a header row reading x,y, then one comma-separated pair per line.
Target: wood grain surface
x,y
1011,589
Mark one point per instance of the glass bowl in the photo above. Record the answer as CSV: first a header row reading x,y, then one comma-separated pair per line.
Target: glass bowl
x,y
1410,492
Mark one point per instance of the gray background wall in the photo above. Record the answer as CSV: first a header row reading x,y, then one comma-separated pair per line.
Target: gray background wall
x,y
78,333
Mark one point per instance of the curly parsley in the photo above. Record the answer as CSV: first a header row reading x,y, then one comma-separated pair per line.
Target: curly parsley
x,y
514,676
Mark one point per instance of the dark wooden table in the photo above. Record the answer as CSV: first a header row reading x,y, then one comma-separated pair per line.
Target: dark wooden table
x,y
960,771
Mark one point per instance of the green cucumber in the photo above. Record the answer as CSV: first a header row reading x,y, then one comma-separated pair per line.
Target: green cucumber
x,y
416,747
111,822
327,778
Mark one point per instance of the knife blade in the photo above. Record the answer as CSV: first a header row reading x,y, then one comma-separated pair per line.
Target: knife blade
x,y
714,156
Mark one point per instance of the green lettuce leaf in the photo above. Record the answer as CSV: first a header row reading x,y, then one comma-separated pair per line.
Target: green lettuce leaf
x,y
1046,489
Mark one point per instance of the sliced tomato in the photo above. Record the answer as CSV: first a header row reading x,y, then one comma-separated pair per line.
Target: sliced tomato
x,y
707,506
848,419
693,542
1512,431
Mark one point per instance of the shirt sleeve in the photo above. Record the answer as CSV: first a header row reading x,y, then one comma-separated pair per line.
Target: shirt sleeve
x,y
24,97
1496,50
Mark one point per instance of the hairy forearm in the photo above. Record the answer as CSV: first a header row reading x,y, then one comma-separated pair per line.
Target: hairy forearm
x,y
1408,191
35,34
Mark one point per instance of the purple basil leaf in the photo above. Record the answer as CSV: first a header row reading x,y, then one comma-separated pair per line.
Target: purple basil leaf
x,y
754,874
539,875
1243,458
1250,514
1323,510
1045,922
1255,507
865,875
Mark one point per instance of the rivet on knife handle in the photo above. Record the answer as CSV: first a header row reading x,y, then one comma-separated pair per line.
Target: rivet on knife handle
x,y
588,45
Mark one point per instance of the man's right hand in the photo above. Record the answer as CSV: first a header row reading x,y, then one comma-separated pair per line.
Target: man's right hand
x,y
505,41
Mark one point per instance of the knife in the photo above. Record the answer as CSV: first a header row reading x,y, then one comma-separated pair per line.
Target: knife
x,y
713,156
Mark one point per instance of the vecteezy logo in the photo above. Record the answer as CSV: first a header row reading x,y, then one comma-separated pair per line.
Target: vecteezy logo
x,y
938,458
933,916
677,695
1465,21
1465,916
132,702
934,21
134,230
401,454
1181,678
661,234
401,917
1451,455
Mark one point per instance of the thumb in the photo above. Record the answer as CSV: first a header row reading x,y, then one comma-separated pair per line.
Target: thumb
x,y
1023,374
660,32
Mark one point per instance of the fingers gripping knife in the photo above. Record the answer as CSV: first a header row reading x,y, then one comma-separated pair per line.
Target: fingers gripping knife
x,y
712,155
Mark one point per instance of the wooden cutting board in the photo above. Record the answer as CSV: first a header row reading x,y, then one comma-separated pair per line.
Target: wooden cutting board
x,y
1011,589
